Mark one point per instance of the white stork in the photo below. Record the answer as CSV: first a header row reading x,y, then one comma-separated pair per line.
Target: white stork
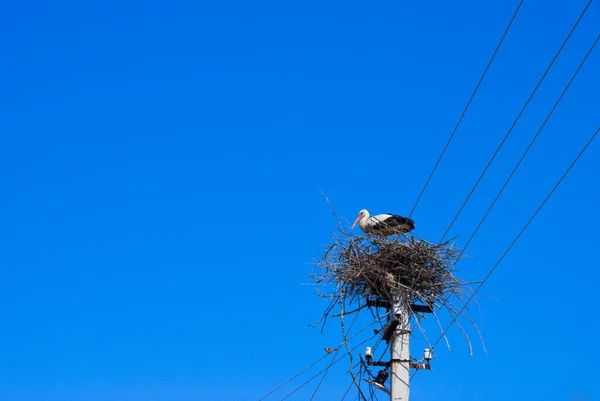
x,y
384,224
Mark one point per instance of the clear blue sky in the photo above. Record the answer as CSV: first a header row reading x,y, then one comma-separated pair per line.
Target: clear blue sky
x,y
161,165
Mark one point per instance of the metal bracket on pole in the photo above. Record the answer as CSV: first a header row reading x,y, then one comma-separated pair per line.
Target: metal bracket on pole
x,y
421,308
379,303
418,366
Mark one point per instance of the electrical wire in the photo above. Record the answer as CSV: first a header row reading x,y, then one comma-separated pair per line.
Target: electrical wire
x,y
322,371
521,160
347,391
516,120
334,355
466,107
528,148
293,377
312,364
517,237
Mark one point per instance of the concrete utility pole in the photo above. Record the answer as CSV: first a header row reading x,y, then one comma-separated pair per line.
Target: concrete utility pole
x,y
397,335
400,349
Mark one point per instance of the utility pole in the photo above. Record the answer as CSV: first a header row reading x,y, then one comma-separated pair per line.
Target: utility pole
x,y
397,334
400,348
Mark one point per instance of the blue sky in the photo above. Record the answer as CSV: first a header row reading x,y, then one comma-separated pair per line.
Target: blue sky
x,y
161,165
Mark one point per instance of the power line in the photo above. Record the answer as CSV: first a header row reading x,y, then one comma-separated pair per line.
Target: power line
x,y
312,364
466,107
517,237
524,155
321,372
347,390
293,377
334,355
528,147
516,120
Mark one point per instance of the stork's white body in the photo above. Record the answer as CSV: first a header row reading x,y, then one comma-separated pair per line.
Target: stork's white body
x,y
384,224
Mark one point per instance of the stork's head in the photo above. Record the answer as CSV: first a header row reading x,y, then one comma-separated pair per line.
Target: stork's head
x,y
361,215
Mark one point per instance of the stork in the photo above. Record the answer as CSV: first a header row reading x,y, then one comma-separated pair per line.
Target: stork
x,y
384,224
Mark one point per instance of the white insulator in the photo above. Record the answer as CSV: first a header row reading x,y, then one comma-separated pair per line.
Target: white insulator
x,y
427,354
368,352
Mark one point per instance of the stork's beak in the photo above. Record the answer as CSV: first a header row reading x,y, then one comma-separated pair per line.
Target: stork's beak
x,y
356,221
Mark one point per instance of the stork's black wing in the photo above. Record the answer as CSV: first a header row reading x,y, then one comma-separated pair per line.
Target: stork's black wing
x,y
406,223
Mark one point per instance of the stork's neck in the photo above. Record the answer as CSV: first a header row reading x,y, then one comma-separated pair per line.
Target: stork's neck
x,y
364,220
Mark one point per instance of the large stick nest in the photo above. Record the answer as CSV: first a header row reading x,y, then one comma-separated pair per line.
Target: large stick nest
x,y
380,266
357,272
